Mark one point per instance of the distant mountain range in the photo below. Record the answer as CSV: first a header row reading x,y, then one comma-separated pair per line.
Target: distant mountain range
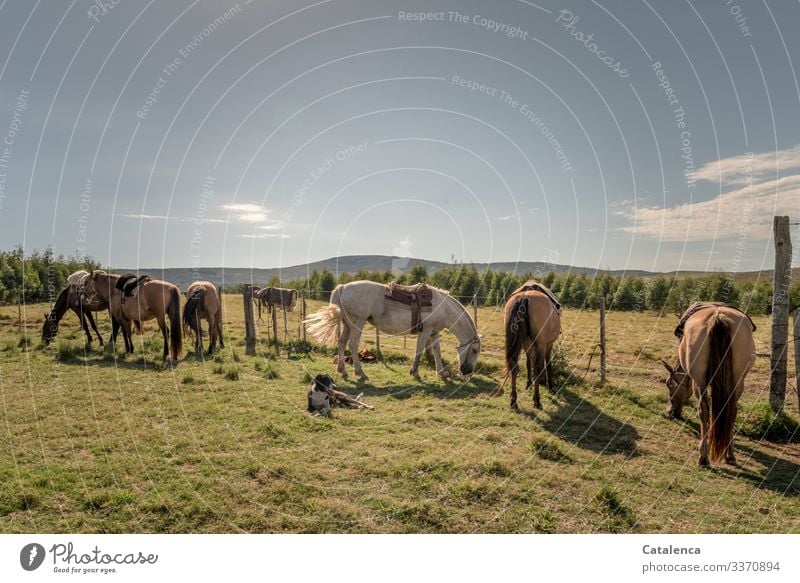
x,y
182,276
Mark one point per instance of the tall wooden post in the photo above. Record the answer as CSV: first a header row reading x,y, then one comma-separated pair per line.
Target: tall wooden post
x,y
249,319
275,324
303,312
780,312
796,331
602,340
377,342
475,308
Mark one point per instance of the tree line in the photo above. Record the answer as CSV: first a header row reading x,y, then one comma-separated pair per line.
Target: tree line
x,y
662,293
40,277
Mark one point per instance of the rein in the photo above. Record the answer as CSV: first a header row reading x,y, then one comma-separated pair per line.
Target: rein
x,y
472,340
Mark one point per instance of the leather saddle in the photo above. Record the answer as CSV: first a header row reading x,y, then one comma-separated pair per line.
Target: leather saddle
x,y
532,285
416,296
128,283
697,306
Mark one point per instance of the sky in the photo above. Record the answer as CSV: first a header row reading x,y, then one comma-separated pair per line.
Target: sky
x,y
650,135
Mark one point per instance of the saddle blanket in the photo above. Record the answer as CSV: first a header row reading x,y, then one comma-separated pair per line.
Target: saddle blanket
x,y
697,306
532,285
415,297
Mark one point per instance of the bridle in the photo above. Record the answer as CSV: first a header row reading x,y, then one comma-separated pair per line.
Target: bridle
x,y
469,342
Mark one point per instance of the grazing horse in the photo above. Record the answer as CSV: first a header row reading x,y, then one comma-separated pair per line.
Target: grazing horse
x,y
154,299
532,325
716,351
275,296
73,298
354,304
203,301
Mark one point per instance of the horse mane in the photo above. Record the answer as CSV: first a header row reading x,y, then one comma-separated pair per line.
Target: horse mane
x,y
61,305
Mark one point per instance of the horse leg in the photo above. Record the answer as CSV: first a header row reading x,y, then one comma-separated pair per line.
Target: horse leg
x,y
162,324
212,333
422,341
549,365
705,419
344,336
127,335
437,356
540,370
529,365
514,371
94,327
355,339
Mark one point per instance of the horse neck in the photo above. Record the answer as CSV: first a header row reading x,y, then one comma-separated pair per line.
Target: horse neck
x,y
106,289
463,326
62,305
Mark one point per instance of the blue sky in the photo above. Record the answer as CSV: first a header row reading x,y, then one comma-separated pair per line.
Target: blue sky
x,y
652,135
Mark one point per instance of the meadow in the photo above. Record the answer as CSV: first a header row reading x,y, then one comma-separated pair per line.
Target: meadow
x,y
96,441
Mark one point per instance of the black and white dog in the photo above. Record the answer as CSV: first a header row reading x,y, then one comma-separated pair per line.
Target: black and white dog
x,y
319,397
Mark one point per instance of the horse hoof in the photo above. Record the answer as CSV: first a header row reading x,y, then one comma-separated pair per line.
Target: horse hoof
x,y
514,406
363,378
703,462
444,375
731,461
537,405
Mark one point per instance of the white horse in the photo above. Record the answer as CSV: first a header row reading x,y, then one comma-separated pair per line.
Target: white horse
x,y
353,304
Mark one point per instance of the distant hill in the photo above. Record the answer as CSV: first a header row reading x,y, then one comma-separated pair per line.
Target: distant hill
x,y
182,276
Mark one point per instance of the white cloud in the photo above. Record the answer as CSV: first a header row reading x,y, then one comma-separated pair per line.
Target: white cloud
x,y
506,217
266,236
745,168
146,217
244,208
251,213
743,212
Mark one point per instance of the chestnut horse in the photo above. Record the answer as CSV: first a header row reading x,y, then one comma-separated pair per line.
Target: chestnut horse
x,y
154,299
717,351
73,298
203,301
532,325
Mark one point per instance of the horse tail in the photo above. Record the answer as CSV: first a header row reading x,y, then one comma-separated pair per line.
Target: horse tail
x,y
323,324
174,314
517,330
193,303
723,408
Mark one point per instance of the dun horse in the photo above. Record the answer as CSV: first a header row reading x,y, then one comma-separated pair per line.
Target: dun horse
x,y
532,325
73,298
716,351
154,299
203,301
354,304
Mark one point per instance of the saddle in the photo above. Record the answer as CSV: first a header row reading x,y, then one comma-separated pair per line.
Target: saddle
x,y
697,306
415,296
129,283
532,285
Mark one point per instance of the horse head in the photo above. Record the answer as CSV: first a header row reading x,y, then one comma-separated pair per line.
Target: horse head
x,y
679,384
468,354
49,327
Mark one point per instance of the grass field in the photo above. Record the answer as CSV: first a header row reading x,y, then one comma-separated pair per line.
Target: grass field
x,y
97,442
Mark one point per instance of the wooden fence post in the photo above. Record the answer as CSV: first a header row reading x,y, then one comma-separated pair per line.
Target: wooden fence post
x,y
377,342
275,325
249,319
780,312
303,312
475,308
796,332
602,340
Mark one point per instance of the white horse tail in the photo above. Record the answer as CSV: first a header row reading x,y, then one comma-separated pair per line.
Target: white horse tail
x,y
323,325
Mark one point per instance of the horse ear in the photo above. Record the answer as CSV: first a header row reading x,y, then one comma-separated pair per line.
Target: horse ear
x,y
668,367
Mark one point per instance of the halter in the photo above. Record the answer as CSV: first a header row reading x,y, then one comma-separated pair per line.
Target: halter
x,y
469,342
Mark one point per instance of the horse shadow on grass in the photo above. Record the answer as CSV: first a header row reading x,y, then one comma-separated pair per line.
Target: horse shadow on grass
x,y
582,424
440,389
777,474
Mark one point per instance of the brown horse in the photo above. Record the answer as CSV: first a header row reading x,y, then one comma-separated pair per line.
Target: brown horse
x,y
154,299
203,301
73,298
532,325
717,351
